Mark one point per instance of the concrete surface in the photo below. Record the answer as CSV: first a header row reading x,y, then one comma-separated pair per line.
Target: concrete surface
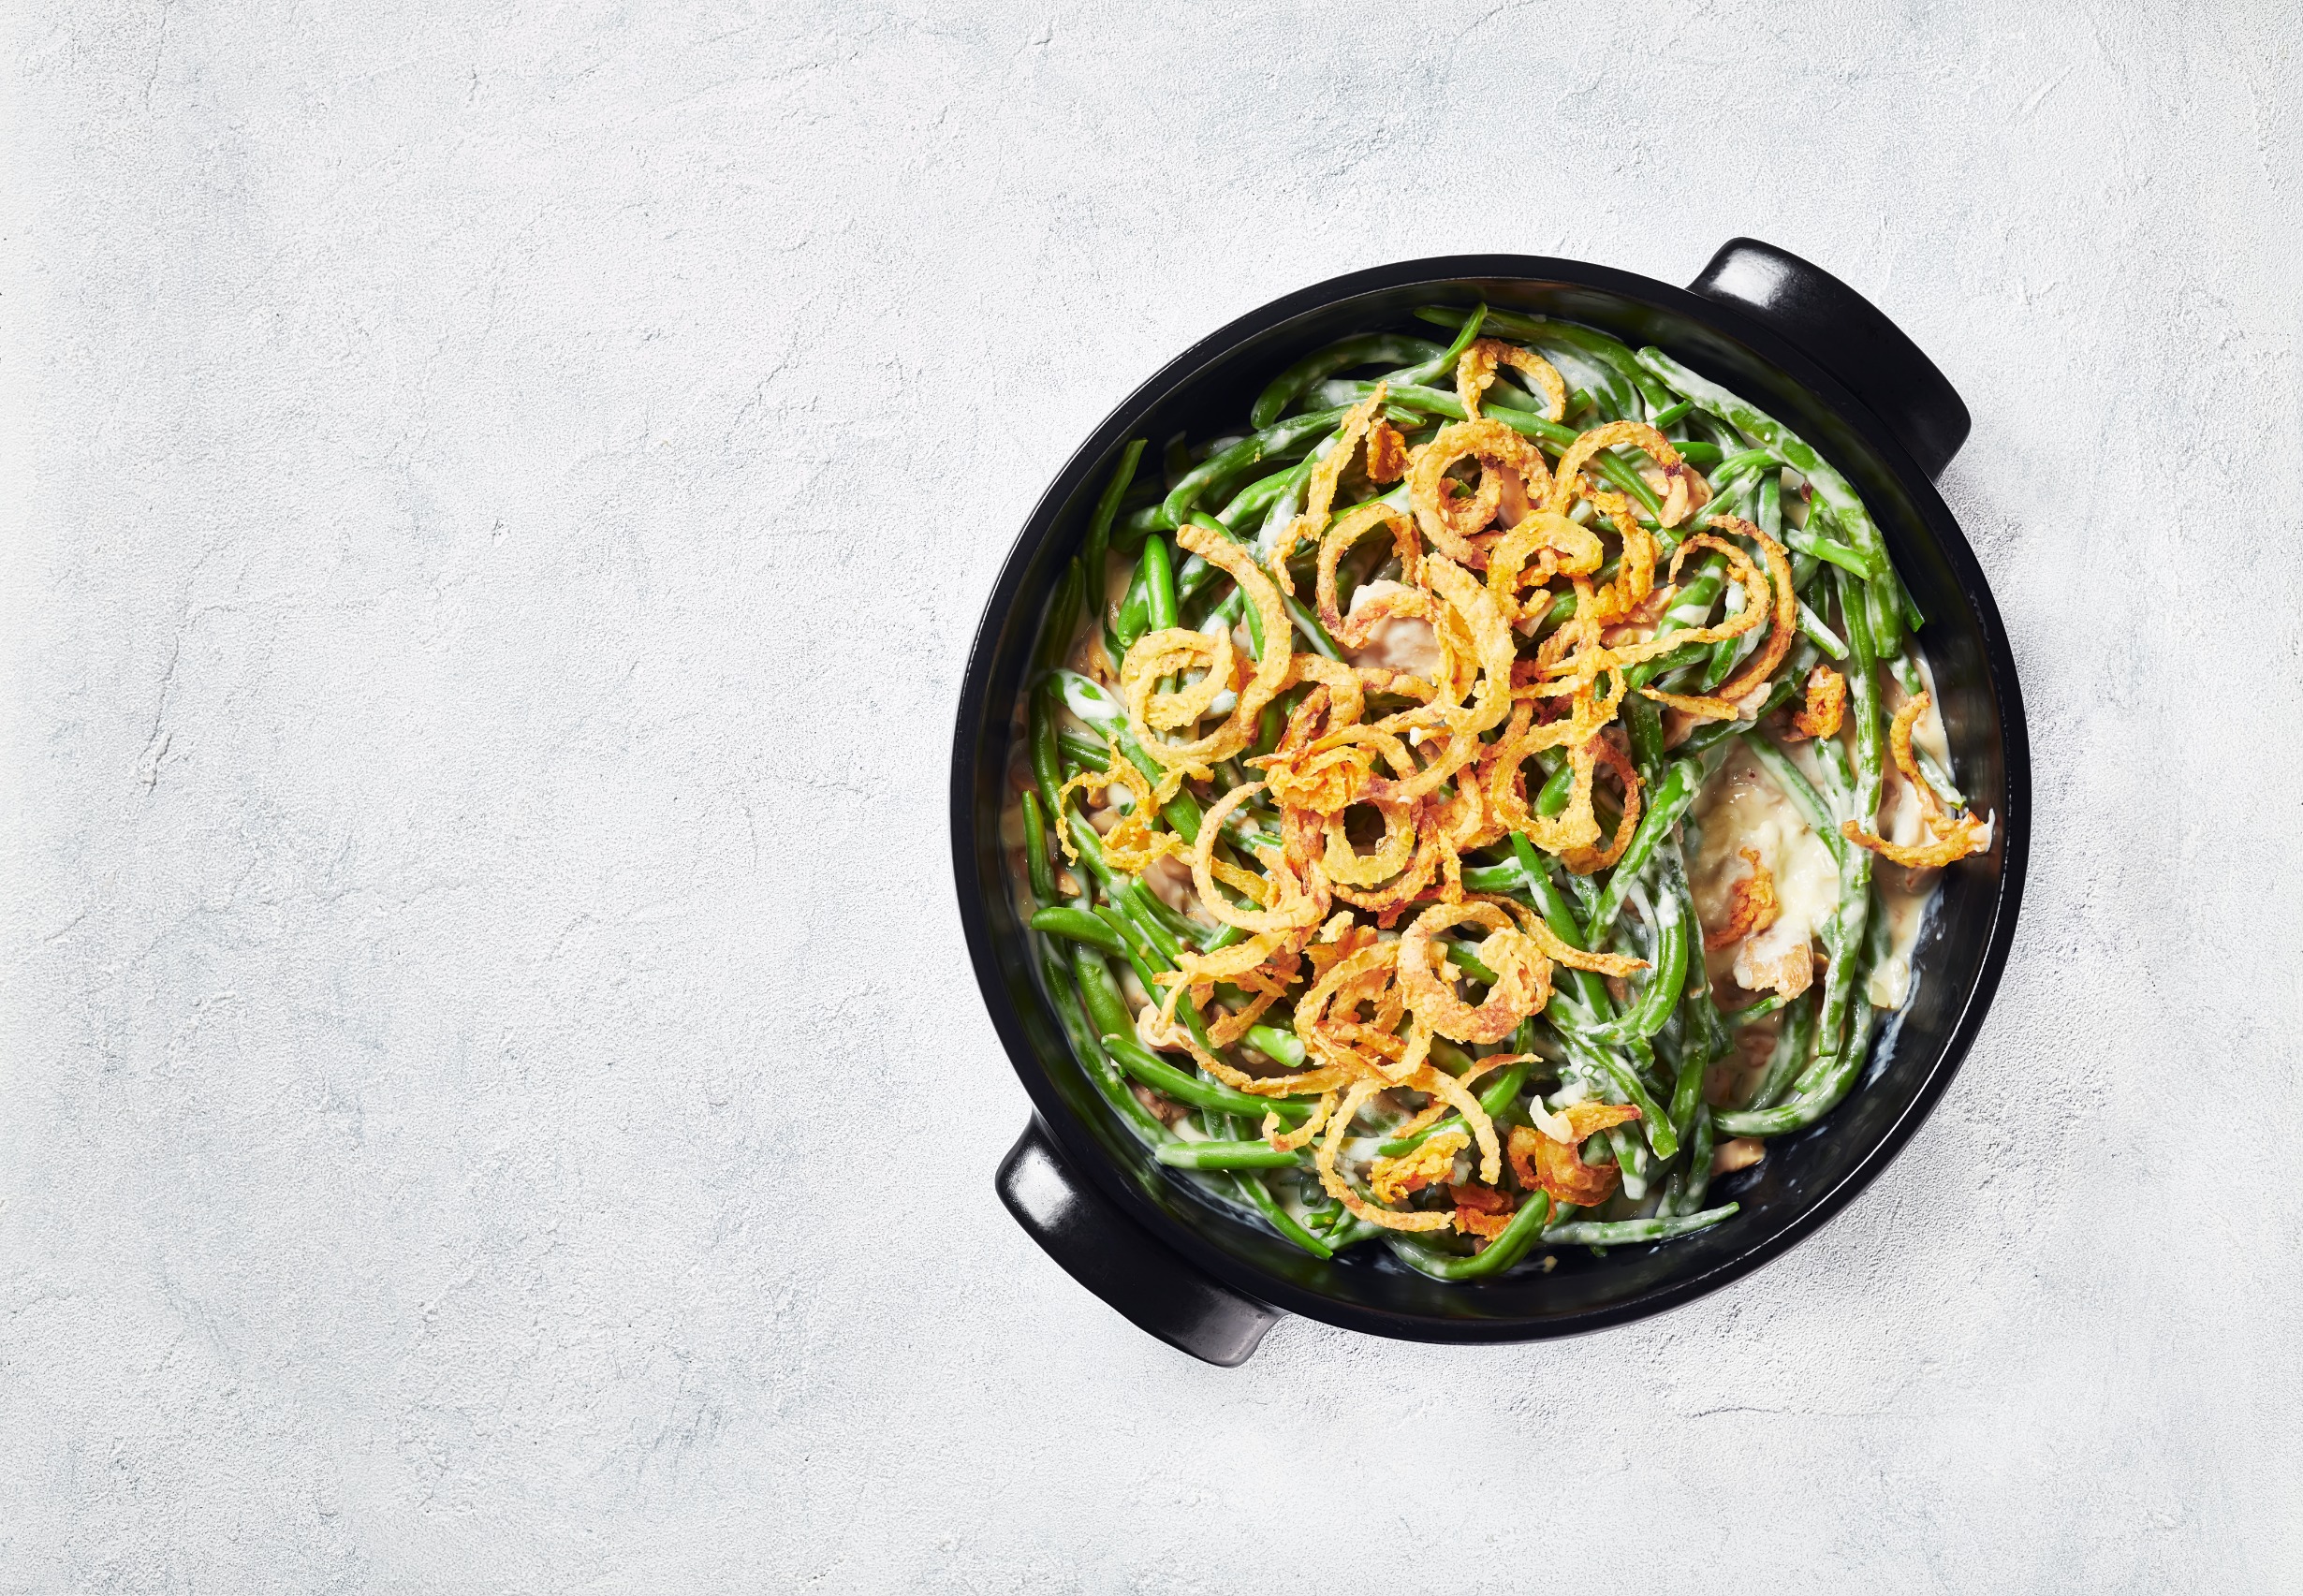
x,y
497,499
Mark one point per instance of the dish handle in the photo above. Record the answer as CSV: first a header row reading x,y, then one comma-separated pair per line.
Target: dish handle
x,y
1154,1286
1848,336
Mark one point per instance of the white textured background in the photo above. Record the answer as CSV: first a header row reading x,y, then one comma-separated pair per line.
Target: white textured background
x,y
496,509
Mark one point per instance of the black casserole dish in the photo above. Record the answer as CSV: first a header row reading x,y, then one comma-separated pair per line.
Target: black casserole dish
x,y
1792,340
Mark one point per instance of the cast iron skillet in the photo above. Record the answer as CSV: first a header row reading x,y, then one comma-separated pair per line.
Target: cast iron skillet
x,y
1801,346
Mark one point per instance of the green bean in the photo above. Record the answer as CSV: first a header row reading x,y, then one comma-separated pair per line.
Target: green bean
x,y
1250,1187
1643,723
1745,462
1141,956
1444,363
1046,756
1099,990
1614,1070
1690,609
1079,924
1131,529
1062,617
1364,349
1752,1014
1820,634
1137,901
1105,1077
1266,441
1257,1155
1559,916
1795,1047
1702,1038
1667,802
1079,751
1936,777
1169,1081
1625,1232
1098,545
1505,1249
1795,788
1131,618
1036,850
1665,988
1834,490
1698,1163
1258,495
1159,585
1809,542
1280,1046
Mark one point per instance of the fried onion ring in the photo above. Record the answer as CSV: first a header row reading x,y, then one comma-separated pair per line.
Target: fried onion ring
x,y
1681,476
1448,527
1558,1167
1826,702
1523,974
1319,493
1475,370
1955,835
1752,905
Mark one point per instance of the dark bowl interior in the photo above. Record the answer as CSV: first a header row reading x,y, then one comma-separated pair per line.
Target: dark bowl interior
x,y
1806,1176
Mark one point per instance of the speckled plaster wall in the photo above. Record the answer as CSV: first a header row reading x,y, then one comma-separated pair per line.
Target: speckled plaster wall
x,y
497,499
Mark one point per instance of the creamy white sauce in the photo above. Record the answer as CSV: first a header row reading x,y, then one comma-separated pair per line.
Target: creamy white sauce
x,y
1741,807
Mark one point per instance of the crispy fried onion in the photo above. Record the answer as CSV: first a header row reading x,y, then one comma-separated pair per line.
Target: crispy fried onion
x,y
1328,1023
1341,1189
1130,846
1481,1210
1752,905
1607,751
1575,826
1522,975
1480,622
1685,484
1956,836
1757,602
1394,1179
1826,702
1386,453
1174,651
1404,599
1448,526
1558,1166
1784,623
1319,493
1141,671
1286,899
1555,544
1475,370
